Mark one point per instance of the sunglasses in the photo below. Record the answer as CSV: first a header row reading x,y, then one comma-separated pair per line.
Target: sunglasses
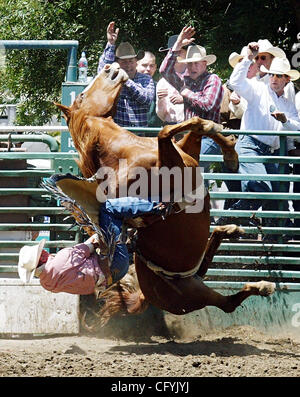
x,y
279,76
262,57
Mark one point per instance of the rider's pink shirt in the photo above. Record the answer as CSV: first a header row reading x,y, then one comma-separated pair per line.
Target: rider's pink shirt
x,y
73,270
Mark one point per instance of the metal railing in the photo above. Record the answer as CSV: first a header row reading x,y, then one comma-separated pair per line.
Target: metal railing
x,y
70,45
256,251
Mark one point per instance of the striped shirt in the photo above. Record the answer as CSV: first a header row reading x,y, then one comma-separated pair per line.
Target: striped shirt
x,y
205,93
135,97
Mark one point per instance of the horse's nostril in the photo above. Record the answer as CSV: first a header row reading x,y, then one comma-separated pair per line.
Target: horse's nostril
x,y
115,74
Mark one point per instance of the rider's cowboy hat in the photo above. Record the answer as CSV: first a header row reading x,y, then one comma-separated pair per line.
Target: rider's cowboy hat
x,y
281,66
125,51
196,53
265,46
234,58
29,256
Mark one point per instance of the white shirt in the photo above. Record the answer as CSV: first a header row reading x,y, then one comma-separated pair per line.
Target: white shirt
x,y
289,89
165,109
297,102
260,98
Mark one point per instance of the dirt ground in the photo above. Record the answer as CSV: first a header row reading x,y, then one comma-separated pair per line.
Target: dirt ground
x,y
132,349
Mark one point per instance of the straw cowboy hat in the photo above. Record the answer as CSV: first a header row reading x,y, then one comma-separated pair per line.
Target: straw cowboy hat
x,y
29,256
265,46
234,58
196,53
281,66
125,51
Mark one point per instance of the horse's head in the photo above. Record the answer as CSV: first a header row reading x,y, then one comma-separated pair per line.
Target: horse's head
x,y
100,96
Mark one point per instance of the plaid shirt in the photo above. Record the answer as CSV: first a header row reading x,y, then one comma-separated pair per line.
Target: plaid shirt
x,y
135,97
205,93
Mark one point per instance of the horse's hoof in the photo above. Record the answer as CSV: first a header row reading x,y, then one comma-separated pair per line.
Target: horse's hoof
x,y
231,231
266,288
231,161
261,288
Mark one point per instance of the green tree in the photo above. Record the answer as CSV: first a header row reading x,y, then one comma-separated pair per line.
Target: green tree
x,y
34,77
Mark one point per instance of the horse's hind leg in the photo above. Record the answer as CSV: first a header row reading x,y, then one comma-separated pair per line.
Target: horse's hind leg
x,y
220,232
228,303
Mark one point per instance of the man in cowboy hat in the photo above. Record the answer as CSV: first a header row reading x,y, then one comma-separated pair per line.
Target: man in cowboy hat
x,y
268,109
201,90
138,92
264,57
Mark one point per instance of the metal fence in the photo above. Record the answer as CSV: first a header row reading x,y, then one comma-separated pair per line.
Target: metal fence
x,y
236,261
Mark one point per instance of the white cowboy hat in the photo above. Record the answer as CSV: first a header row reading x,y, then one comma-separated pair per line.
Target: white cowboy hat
x,y
196,53
234,58
125,51
281,66
29,256
265,46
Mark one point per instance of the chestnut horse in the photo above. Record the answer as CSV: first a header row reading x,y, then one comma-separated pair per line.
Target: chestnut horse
x,y
172,254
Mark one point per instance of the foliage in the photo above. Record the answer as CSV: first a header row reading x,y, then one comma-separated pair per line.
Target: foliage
x,y
34,77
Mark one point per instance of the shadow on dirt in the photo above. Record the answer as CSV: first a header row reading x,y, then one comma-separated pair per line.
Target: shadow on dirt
x,y
224,347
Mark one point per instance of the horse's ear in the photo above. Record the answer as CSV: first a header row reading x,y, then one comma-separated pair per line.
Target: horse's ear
x,y
65,109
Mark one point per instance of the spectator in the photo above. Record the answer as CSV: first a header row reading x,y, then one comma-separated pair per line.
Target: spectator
x,y
138,92
233,106
294,150
264,57
147,64
169,102
79,269
267,109
201,90
232,110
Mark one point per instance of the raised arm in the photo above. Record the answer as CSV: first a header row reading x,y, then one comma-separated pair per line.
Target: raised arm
x,y
238,79
108,55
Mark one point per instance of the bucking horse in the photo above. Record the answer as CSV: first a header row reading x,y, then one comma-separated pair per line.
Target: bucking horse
x,y
172,253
